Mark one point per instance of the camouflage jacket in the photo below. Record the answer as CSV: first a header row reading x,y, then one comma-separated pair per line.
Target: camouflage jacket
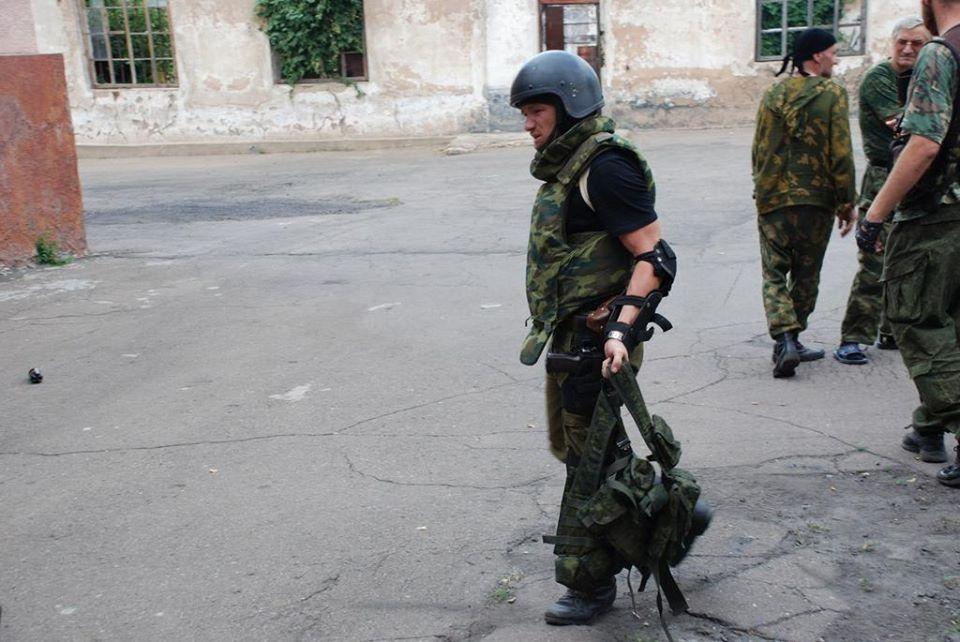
x,y
802,152
566,275
929,110
879,103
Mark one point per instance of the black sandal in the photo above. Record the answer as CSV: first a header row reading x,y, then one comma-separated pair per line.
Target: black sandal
x,y
850,354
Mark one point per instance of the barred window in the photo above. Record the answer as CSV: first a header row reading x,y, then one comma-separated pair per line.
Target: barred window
x,y
130,43
779,22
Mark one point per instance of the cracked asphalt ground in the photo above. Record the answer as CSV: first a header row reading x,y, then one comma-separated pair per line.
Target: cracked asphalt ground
x,y
283,402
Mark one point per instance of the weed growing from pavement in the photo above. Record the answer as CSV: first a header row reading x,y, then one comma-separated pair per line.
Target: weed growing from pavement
x,y
504,591
48,253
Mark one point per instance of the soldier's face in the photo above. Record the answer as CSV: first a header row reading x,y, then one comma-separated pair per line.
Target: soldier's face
x,y
827,59
539,121
907,45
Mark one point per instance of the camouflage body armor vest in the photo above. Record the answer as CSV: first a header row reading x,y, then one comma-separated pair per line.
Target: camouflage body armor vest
x,y
566,275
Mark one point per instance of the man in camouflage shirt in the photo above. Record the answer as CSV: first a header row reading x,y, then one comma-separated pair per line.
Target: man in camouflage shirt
x,y
921,271
803,176
880,108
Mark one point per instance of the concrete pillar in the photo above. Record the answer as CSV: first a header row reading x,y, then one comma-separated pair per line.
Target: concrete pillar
x,y
39,184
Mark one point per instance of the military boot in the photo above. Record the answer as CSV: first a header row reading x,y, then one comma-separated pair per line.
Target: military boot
x,y
808,354
699,521
580,607
930,447
950,475
786,357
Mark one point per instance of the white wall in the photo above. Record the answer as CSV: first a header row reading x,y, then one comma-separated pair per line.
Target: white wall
x,y
435,67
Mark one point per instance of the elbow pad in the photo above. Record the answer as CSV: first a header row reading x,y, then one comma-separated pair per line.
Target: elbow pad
x,y
664,262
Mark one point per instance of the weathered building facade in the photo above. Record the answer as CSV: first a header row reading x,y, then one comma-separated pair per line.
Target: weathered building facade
x,y
430,67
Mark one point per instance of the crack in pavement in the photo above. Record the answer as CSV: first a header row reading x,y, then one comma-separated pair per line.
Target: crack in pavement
x,y
239,440
353,468
826,435
327,584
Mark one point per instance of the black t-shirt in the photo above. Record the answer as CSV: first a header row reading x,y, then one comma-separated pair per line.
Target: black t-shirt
x,y
618,190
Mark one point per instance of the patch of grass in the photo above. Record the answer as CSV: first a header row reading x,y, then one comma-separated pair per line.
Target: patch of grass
x,y
504,590
951,582
814,527
868,547
48,252
865,585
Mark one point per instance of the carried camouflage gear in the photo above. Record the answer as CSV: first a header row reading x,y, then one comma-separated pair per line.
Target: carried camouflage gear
x,y
618,514
928,113
793,241
566,275
802,152
922,304
864,315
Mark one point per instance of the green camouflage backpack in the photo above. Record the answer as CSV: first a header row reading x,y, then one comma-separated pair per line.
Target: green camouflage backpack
x,y
626,513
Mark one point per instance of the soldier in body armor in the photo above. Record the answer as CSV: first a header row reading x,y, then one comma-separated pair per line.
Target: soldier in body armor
x,y
921,289
880,107
594,234
803,176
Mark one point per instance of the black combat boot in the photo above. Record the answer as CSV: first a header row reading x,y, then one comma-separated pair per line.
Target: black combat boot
x,y
950,475
786,357
579,607
808,354
699,521
930,447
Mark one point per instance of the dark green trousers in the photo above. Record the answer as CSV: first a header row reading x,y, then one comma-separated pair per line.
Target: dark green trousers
x,y
793,241
921,288
864,315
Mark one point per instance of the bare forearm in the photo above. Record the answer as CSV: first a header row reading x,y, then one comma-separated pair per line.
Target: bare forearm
x,y
643,280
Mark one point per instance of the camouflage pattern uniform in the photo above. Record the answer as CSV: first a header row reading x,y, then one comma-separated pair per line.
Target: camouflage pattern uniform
x,y
922,260
803,174
569,276
879,103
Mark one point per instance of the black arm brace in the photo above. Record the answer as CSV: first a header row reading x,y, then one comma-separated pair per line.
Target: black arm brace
x,y
664,262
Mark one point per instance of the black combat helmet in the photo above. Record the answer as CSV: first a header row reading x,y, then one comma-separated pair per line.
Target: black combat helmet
x,y
562,74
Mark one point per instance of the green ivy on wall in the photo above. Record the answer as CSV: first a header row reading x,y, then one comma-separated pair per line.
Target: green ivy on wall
x,y
309,35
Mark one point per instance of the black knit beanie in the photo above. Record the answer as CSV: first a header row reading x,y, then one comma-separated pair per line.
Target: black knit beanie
x,y
810,42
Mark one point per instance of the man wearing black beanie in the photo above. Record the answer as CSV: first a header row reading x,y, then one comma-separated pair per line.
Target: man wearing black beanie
x,y
803,176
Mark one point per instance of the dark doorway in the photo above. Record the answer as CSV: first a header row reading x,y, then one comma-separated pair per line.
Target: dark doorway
x,y
572,26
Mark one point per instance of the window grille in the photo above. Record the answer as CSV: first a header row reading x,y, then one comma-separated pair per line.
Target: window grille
x,y
779,22
130,43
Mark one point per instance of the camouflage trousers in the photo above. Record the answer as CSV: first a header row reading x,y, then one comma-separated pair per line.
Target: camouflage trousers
x,y
921,294
864,315
570,402
793,241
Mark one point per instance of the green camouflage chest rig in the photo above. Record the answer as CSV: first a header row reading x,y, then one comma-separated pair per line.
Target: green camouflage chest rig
x,y
621,513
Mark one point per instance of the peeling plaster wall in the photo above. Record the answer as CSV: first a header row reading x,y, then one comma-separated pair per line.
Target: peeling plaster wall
x,y
435,67
425,65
